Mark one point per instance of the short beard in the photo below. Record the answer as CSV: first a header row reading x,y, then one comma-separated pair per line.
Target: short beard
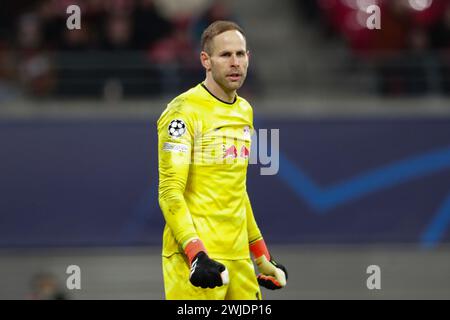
x,y
224,84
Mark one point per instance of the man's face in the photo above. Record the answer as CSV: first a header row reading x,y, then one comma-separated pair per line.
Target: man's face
x,y
228,60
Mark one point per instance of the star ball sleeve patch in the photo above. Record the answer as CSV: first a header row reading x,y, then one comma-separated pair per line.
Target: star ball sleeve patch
x,y
177,128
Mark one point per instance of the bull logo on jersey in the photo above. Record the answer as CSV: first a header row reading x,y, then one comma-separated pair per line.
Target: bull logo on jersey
x,y
232,152
177,128
245,153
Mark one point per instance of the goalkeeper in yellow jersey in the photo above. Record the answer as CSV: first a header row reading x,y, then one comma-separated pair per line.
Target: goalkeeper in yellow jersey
x,y
204,138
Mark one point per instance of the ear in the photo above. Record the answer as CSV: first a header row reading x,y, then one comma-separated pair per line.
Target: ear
x,y
248,55
205,60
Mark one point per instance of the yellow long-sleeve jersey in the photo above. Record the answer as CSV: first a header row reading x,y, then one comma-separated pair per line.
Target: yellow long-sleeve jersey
x,y
203,146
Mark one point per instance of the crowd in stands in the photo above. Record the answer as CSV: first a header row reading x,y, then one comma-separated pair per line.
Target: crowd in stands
x,y
129,46
411,50
133,48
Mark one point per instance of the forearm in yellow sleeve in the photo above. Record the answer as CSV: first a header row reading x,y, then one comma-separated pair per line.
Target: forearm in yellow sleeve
x,y
253,231
177,215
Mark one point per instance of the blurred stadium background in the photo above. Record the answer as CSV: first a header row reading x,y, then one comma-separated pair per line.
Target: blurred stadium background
x,y
364,119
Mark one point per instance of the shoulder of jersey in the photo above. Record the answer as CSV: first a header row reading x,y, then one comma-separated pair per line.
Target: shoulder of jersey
x,y
244,104
185,102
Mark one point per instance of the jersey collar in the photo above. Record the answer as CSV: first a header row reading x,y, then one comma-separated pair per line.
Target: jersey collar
x,y
229,103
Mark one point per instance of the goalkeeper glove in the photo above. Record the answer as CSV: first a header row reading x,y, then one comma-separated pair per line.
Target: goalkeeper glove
x,y
205,272
272,274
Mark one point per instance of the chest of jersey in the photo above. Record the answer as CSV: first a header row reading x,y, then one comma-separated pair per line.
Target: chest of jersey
x,y
223,143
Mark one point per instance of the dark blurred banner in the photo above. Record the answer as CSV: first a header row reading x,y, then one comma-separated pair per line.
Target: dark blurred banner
x,y
345,181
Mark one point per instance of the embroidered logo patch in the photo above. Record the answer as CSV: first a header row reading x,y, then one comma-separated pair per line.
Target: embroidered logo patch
x,y
177,128
175,147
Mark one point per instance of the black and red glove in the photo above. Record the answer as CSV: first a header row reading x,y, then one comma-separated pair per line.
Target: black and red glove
x,y
272,274
205,272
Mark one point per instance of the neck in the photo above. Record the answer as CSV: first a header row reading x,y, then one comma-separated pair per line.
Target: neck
x,y
218,91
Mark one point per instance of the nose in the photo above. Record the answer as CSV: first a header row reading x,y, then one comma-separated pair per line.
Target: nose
x,y
234,60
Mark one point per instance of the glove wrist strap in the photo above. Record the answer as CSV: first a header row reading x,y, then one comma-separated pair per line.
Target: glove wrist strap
x,y
193,248
259,248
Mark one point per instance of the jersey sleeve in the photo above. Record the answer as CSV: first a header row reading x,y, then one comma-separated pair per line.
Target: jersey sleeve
x,y
253,231
175,141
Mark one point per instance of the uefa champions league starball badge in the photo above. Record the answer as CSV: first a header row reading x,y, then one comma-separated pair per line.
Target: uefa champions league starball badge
x,y
177,128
